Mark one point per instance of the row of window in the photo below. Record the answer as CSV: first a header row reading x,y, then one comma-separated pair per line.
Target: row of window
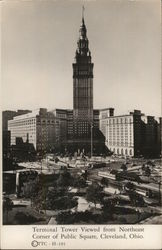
x,y
122,151
119,120
121,144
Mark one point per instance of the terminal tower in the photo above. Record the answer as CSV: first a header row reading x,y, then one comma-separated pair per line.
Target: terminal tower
x,y
82,86
85,118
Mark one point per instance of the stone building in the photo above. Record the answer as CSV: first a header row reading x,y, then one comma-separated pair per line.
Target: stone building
x,y
41,128
133,134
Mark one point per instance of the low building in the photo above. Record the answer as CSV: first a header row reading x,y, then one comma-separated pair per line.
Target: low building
x,y
65,117
40,128
10,114
133,134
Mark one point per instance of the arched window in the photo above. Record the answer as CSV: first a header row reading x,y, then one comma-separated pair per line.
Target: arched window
x,y
122,151
126,151
118,151
130,152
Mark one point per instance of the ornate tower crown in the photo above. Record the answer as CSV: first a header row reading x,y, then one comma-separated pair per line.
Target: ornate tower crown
x,y
83,30
83,53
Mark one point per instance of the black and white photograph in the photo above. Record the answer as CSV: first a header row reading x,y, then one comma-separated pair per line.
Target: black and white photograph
x,y
81,112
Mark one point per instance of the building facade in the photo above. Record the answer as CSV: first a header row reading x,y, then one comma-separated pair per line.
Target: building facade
x,y
82,87
40,128
131,135
86,135
9,114
65,118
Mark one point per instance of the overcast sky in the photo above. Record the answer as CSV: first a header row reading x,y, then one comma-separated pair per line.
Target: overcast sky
x,y
39,39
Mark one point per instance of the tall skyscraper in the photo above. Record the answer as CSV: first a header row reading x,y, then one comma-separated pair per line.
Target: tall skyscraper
x,y
78,129
82,86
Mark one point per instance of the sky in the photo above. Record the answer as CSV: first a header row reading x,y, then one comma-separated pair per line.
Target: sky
x,y
39,39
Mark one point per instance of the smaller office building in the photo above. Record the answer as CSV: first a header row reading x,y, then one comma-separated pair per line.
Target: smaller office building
x,y
133,134
40,128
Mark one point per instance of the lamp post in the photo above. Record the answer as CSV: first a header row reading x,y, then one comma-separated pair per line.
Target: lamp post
x,y
91,139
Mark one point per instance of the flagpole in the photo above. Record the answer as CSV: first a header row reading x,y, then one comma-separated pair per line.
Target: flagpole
x,y
83,12
91,140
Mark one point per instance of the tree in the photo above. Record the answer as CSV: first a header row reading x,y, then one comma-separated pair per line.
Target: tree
x,y
147,171
94,193
143,167
56,159
85,174
124,167
59,198
136,199
104,181
65,178
108,207
65,202
79,182
130,186
69,217
7,206
32,188
150,163
36,190
40,200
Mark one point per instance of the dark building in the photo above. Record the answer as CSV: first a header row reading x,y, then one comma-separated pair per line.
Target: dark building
x,y
6,142
23,151
82,87
7,115
65,118
6,133
150,136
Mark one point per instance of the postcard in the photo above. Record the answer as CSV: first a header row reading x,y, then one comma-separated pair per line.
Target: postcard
x,y
81,123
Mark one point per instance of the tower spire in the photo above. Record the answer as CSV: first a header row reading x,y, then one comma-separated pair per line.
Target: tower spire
x,y
83,9
83,29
